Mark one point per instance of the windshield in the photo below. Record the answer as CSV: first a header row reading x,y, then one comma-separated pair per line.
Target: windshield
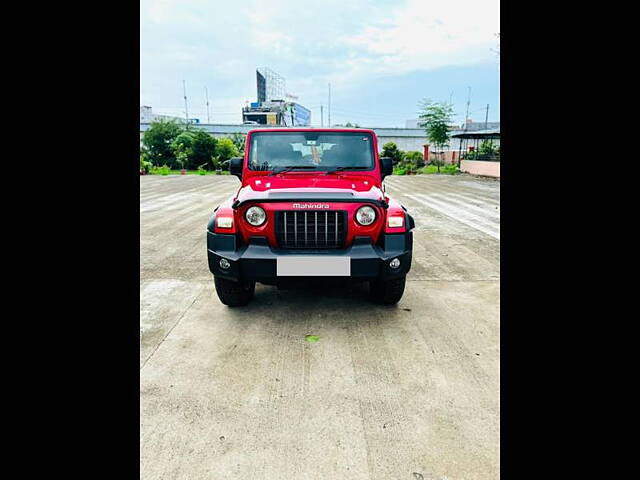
x,y
311,151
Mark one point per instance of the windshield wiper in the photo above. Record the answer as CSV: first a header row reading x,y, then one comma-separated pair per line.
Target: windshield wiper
x,y
340,169
291,167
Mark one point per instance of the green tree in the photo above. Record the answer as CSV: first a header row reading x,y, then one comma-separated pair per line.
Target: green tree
x,y
225,149
203,149
157,140
392,151
182,148
239,140
436,118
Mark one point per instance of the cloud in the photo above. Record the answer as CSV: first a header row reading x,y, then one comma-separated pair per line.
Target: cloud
x,y
349,43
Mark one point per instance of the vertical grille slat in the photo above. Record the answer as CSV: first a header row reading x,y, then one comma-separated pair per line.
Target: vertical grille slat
x,y
311,231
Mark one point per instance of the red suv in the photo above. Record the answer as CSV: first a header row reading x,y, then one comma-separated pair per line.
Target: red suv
x,y
311,204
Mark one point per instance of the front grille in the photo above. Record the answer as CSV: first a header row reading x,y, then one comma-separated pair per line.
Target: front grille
x,y
325,229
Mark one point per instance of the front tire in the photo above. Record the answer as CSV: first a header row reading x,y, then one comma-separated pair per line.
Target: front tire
x,y
234,294
387,292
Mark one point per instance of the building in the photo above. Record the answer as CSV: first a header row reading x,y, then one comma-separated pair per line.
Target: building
x,y
147,116
472,126
277,113
406,139
271,108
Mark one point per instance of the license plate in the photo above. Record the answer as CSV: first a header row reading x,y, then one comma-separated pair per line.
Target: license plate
x,y
313,266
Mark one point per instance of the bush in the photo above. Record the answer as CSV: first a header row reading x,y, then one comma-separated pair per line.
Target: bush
x,y
163,170
486,150
415,158
392,151
411,162
399,171
144,165
436,162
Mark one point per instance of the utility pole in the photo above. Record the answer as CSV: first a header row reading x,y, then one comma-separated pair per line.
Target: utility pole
x,y
466,117
321,116
329,104
486,118
186,111
206,92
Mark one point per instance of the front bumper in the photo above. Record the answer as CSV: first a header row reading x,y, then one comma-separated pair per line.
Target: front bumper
x,y
257,260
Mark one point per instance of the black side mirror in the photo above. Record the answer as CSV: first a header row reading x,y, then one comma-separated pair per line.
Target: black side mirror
x,y
387,166
235,166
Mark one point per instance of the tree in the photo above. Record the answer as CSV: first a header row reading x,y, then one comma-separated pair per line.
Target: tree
x,y
239,140
225,149
436,118
157,140
392,151
182,148
203,149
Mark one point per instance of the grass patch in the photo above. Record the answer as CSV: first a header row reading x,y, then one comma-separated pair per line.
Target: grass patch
x,y
451,169
168,171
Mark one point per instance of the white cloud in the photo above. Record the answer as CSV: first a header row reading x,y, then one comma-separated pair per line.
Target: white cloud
x,y
347,42
423,35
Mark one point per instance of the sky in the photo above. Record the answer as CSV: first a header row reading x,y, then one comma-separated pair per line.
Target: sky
x,y
381,57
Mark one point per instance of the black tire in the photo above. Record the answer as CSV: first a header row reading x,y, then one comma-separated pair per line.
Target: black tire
x,y
234,294
387,292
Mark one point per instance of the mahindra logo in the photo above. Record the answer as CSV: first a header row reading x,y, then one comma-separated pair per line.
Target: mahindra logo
x,y
310,205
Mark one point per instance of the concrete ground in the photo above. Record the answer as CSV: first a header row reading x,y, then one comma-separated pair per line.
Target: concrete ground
x,y
405,392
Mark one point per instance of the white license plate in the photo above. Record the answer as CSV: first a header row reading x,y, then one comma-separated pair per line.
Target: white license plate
x,y
313,266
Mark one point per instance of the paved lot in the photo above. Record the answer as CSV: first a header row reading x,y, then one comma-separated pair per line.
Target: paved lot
x,y
407,392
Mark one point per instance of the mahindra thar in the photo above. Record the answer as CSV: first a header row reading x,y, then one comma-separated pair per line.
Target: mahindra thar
x,y
311,204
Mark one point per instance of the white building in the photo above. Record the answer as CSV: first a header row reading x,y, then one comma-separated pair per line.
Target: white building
x,y
147,116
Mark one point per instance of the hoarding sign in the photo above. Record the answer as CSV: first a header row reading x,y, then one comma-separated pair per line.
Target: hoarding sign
x,y
302,116
262,87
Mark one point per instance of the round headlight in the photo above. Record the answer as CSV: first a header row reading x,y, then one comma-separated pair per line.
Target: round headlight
x,y
255,216
365,215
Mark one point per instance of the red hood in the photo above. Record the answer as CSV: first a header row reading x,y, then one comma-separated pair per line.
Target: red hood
x,y
357,187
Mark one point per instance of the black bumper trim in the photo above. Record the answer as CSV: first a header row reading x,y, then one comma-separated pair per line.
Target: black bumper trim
x,y
257,260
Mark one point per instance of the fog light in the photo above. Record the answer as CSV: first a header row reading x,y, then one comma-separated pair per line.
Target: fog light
x,y
395,222
395,263
224,222
224,263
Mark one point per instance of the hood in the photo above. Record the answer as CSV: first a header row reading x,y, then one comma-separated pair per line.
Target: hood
x,y
326,185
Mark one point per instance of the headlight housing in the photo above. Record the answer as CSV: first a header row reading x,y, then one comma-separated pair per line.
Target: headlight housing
x,y
256,216
366,215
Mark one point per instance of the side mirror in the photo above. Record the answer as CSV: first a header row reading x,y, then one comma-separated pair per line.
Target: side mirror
x,y
235,166
387,166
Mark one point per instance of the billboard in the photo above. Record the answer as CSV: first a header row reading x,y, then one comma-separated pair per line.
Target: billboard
x,y
301,116
262,87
